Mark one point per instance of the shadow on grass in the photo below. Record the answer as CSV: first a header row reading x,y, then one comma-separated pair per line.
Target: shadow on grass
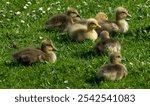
x,y
138,31
44,30
143,29
64,38
94,80
15,64
89,54
11,64
61,37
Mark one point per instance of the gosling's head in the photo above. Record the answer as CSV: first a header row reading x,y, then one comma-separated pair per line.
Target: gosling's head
x,y
122,13
47,46
115,58
104,35
73,13
101,16
92,23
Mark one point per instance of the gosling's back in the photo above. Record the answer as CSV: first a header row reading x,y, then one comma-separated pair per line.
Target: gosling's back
x,y
112,71
30,56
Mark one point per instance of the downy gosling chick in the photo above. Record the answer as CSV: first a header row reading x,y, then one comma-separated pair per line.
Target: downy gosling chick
x,y
61,22
101,16
81,32
33,55
114,70
73,13
106,44
119,25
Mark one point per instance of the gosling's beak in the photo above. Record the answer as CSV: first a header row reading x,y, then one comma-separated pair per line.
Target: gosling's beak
x,y
129,15
123,59
55,49
98,26
78,15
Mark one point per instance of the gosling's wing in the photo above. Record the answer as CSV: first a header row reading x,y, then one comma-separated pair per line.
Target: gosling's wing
x,y
83,21
78,34
114,71
101,46
16,56
108,71
29,56
113,45
77,31
58,22
110,26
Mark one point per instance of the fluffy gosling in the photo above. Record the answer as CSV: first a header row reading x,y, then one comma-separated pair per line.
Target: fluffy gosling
x,y
61,22
33,55
106,44
115,70
101,16
119,25
81,32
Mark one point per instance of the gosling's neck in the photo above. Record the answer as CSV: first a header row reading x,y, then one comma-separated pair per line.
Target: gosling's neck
x,y
105,38
122,24
118,19
49,52
115,62
89,29
51,56
71,20
121,21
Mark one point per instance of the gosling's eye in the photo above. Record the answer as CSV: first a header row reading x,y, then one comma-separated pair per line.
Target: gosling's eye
x,y
124,13
118,56
92,24
73,14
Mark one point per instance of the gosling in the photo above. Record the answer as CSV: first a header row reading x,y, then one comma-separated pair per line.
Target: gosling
x,y
33,55
61,22
81,32
100,16
115,70
119,25
106,44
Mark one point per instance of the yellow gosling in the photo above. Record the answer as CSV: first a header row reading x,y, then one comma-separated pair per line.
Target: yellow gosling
x,y
101,16
81,32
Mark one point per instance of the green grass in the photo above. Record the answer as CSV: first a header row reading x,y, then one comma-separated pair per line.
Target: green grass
x,y
74,67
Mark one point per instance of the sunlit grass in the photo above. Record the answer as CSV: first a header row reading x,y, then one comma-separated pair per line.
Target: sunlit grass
x,y
23,21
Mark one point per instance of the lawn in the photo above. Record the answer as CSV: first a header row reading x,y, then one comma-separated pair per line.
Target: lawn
x,y
22,22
